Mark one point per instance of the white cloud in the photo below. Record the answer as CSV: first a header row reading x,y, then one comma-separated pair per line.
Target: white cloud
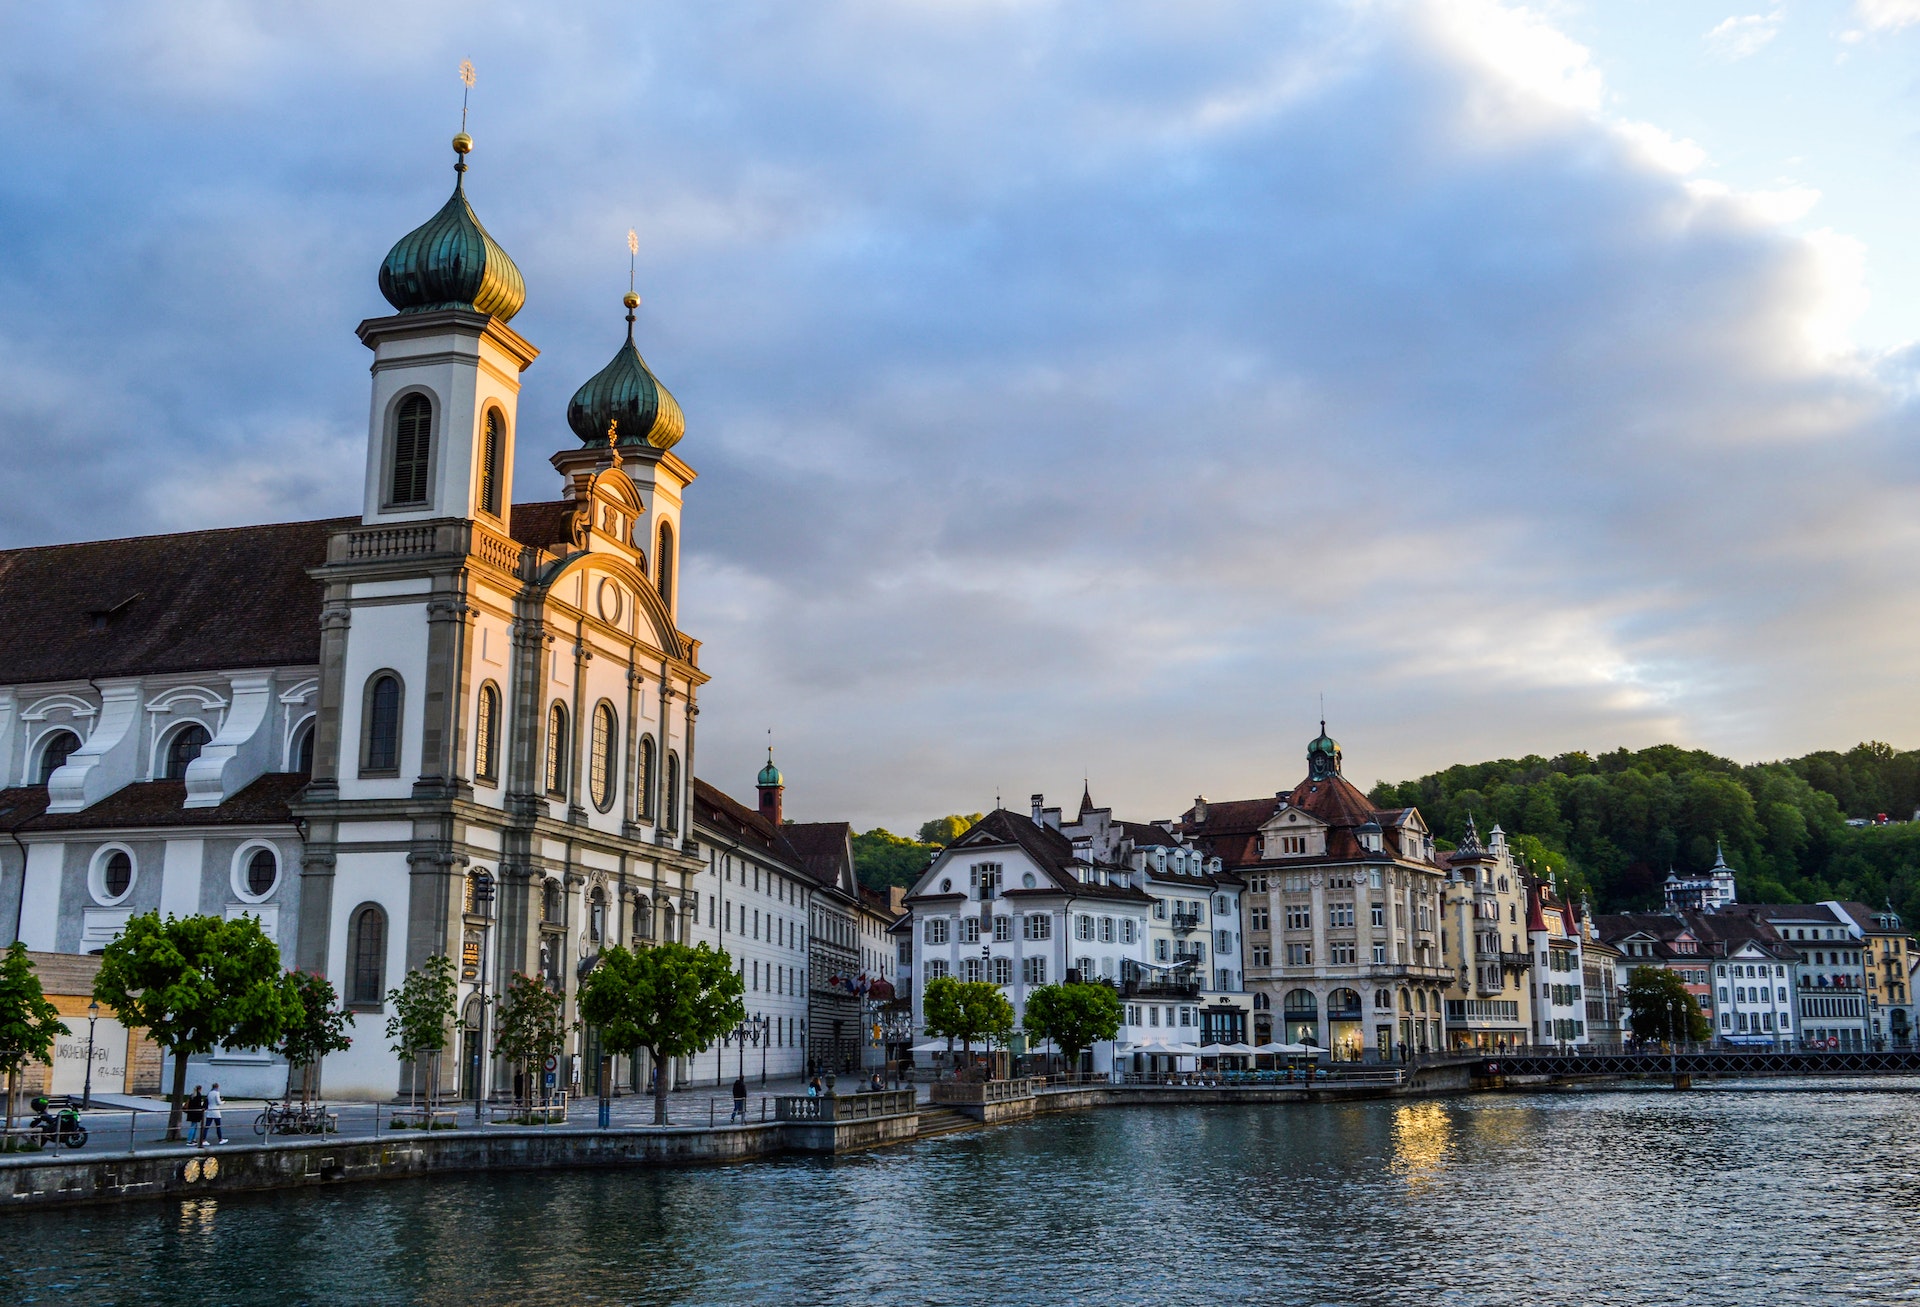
x,y
1887,15
1072,384
1743,35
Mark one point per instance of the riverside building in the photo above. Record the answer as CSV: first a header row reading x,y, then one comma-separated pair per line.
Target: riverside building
x,y
449,723
1489,962
1342,912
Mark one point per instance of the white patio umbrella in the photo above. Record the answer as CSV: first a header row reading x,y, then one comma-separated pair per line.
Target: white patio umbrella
x,y
1215,1050
1238,1050
1287,1048
931,1047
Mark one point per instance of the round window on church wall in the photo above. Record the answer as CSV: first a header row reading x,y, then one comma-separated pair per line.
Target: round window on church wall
x,y
263,869
611,601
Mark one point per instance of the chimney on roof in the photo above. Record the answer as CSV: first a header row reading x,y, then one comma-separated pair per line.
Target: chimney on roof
x,y
1039,806
1199,809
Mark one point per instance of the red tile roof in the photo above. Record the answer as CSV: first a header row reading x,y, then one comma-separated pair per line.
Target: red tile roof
x,y
196,601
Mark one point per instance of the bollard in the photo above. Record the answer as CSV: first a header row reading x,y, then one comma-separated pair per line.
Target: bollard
x,y
133,1124
709,1114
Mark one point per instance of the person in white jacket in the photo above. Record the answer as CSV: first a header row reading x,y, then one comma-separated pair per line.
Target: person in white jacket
x,y
212,1124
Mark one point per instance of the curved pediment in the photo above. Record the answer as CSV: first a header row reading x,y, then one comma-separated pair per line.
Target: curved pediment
x,y
609,588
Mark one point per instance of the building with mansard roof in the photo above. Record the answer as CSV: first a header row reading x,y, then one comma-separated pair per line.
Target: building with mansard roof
x,y
448,724
1342,909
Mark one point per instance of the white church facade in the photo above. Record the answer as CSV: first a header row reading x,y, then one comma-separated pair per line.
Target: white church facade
x,y
451,724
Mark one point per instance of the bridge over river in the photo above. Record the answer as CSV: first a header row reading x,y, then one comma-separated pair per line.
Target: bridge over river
x,y
1699,1060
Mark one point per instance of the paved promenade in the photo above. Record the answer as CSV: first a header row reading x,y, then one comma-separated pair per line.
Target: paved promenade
x,y
121,1123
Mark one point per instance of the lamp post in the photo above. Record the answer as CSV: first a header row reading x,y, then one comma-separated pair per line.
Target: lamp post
x,y
762,1037
93,1015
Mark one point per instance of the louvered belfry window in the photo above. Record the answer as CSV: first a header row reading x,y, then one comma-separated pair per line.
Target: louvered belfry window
x,y
412,449
490,463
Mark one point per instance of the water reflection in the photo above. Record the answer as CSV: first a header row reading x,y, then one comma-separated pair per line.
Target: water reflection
x,y
1596,1198
1422,1136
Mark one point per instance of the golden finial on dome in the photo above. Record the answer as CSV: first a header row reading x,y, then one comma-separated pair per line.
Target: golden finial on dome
x,y
631,300
463,143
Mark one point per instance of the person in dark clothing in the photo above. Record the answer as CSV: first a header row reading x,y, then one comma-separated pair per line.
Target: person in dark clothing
x,y
196,1110
739,1099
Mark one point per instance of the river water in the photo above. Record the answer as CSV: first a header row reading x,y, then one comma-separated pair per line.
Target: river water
x,y
1756,1194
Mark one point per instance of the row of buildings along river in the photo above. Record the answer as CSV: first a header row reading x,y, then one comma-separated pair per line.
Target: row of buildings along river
x,y
455,724
1314,918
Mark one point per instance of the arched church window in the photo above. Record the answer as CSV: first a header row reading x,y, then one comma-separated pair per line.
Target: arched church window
x,y
493,440
557,750
367,954
550,903
182,748
643,917
603,764
673,791
486,734
303,751
597,914
663,564
412,450
54,753
381,752
646,777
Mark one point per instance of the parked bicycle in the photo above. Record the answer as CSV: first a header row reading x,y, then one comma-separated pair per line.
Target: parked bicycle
x,y
289,1118
58,1127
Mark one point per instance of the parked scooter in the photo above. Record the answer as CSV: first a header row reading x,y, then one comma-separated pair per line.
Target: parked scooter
x,y
62,1127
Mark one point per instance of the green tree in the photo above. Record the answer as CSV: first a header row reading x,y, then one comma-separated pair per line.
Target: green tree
x,y
1661,1007
315,1027
945,830
966,1010
193,984
529,1027
671,1000
422,1013
28,1022
1076,1017
881,858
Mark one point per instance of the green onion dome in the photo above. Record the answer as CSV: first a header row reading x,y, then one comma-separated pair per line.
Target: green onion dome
x,y
769,774
626,392
449,262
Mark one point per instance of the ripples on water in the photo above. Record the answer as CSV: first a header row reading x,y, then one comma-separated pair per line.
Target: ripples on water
x,y
1751,1195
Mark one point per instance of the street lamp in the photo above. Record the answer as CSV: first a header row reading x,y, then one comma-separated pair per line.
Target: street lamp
x,y
93,1015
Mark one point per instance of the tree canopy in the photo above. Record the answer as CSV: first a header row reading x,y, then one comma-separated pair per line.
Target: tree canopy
x,y
194,984
1611,825
529,1026
28,1021
1076,1017
672,1000
1659,1007
315,1026
966,1010
422,1014
881,858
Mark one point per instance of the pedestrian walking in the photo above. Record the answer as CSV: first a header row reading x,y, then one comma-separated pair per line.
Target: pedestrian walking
x,y
814,1088
213,1117
196,1108
739,1099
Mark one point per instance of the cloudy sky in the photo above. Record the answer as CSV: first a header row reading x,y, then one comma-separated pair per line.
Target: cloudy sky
x,y
1078,388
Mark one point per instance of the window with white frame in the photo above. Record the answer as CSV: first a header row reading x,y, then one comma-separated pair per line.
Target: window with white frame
x,y
936,930
1262,956
969,930
1299,916
1033,971
1106,930
1299,955
1083,927
936,968
970,969
1001,971
1162,950
1036,925
1002,929
1126,930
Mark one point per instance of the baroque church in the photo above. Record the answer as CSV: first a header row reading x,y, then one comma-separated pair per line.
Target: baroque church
x,y
449,724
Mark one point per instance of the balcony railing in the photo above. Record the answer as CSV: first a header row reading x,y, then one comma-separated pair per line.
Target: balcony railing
x,y
1186,922
1188,989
